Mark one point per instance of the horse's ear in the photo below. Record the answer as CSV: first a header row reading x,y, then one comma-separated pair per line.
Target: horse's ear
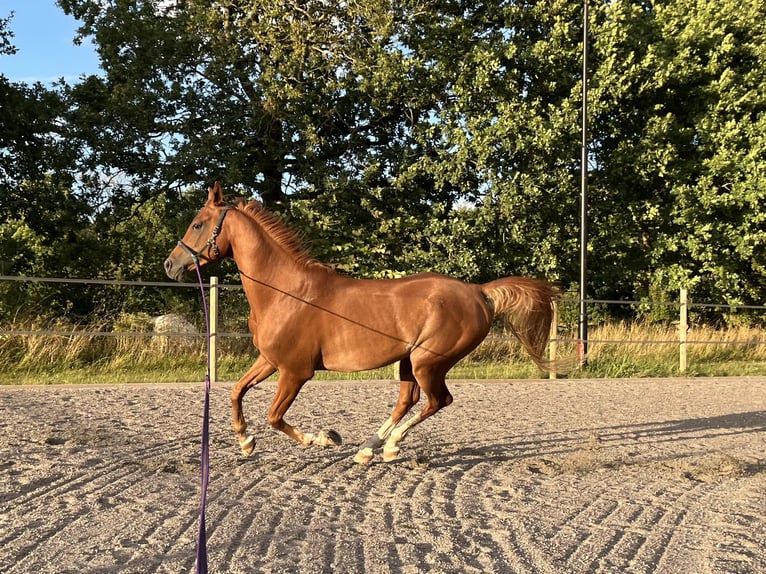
x,y
215,194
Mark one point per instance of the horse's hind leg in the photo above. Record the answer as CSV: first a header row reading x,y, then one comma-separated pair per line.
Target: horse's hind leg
x,y
432,383
260,370
409,395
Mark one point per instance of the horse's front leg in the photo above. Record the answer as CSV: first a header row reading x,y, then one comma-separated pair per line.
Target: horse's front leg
x,y
260,371
288,388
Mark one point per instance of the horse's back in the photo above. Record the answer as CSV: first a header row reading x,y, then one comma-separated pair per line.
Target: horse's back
x,y
377,321
444,311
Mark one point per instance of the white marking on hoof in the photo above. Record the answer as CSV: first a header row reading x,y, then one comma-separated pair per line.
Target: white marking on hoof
x,y
390,454
306,439
328,437
364,456
247,445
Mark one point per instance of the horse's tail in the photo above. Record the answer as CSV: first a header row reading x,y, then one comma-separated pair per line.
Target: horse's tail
x,y
527,305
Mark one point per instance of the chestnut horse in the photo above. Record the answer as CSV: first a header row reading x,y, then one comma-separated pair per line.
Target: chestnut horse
x,y
306,317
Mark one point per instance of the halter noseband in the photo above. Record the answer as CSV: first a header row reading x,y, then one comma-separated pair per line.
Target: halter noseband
x,y
211,244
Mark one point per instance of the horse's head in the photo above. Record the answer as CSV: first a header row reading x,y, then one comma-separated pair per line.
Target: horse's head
x,y
204,241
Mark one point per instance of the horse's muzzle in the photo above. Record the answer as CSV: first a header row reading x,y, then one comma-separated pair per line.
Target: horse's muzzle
x,y
175,270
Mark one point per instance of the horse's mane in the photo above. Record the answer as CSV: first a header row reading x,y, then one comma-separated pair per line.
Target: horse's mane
x,y
288,239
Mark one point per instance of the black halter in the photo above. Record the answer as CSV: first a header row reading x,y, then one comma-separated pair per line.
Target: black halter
x,y
211,244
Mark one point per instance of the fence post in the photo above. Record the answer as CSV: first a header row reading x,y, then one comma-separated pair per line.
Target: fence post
x,y
213,363
683,327
554,341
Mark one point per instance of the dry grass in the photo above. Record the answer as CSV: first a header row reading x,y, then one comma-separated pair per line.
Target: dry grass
x,y
643,349
76,354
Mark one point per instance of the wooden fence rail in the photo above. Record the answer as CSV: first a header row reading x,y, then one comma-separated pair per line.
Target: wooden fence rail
x,y
214,290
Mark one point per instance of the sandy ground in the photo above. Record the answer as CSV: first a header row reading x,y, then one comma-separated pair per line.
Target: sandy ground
x,y
539,477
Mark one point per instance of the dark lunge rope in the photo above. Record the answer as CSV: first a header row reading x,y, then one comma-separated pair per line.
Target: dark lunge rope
x,y
205,458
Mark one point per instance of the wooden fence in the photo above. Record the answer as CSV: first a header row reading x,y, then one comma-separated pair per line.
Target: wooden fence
x,y
214,290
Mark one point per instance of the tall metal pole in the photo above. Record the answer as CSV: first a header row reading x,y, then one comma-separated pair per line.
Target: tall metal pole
x,y
582,347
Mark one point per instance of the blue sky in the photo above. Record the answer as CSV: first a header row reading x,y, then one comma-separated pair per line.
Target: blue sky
x,y
44,36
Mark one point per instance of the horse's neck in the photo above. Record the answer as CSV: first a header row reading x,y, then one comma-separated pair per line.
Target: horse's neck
x,y
266,269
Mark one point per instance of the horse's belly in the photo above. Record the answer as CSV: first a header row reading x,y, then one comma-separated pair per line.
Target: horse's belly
x,y
362,354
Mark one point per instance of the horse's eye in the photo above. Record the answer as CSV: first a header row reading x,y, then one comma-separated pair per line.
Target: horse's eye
x,y
196,226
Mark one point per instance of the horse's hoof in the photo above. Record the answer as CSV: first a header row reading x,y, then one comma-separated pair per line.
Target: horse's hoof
x,y
390,454
247,446
327,437
364,456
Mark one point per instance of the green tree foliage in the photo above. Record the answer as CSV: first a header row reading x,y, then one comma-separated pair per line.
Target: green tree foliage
x,y
508,130
679,113
405,136
30,142
43,225
300,103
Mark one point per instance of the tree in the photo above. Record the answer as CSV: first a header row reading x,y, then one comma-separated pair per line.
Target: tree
x,y
307,105
444,134
678,127
30,134
261,94
42,223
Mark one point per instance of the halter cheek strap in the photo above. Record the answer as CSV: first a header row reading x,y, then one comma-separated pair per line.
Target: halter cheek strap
x,y
210,245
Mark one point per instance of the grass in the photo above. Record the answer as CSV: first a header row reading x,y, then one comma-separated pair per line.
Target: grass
x,y
650,350
616,350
